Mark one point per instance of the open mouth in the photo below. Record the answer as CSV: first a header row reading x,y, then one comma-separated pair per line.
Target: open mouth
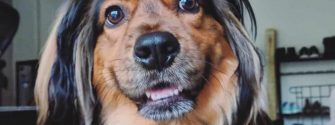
x,y
166,101
171,99
161,93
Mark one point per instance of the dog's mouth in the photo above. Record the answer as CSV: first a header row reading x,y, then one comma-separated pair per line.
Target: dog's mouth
x,y
170,97
162,92
166,101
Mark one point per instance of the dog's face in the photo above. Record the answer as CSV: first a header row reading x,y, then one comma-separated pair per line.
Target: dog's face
x,y
150,62
157,52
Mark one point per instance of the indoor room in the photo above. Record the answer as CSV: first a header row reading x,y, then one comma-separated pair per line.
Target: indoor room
x,y
230,62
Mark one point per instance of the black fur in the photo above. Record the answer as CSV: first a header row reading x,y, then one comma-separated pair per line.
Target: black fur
x,y
246,70
238,7
263,119
64,108
63,105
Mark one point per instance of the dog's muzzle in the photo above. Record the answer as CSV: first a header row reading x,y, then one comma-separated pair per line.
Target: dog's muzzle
x,y
156,51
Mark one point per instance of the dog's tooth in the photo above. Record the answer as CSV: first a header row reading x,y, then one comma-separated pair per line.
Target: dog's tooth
x,y
180,88
147,94
165,95
170,94
160,96
176,92
153,96
173,92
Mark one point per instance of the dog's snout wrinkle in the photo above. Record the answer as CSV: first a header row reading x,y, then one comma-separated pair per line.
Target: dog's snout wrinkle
x,y
156,50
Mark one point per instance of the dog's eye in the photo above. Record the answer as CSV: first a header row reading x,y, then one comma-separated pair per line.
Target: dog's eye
x,y
188,5
114,15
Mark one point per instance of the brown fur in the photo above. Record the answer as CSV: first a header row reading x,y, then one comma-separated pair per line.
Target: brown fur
x,y
200,36
114,48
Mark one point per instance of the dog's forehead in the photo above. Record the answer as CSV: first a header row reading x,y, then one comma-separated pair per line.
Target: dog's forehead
x,y
166,2
151,5
133,6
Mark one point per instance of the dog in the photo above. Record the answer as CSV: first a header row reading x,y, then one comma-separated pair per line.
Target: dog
x,y
151,62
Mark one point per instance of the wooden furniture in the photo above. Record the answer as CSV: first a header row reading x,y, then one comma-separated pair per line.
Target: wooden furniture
x,y
319,92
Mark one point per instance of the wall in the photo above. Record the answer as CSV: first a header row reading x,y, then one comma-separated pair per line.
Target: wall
x,y
299,23
49,10
36,17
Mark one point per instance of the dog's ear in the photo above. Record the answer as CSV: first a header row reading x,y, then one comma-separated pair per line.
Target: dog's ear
x,y
230,13
238,8
63,105
63,90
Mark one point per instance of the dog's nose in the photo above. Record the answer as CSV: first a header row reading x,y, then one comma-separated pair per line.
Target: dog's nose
x,y
156,50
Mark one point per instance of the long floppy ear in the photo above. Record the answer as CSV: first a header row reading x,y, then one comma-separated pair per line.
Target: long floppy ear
x,y
230,13
63,88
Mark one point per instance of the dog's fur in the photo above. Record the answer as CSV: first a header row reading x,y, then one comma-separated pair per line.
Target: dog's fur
x,y
87,74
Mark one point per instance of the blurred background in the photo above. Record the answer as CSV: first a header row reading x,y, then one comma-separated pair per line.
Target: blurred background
x,y
296,39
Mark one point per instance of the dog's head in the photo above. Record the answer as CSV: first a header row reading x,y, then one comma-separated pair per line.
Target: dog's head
x,y
164,59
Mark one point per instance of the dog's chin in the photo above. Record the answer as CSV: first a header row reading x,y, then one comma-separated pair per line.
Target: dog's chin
x,y
166,101
167,108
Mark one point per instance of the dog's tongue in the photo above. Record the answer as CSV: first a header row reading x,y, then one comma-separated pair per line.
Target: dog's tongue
x,y
161,93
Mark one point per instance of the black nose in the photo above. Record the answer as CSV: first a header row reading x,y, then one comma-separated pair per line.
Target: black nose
x,y
156,50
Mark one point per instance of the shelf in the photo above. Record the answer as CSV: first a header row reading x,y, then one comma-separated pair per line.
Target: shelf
x,y
305,60
308,73
299,115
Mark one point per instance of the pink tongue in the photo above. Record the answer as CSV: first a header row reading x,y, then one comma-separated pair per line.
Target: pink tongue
x,y
163,90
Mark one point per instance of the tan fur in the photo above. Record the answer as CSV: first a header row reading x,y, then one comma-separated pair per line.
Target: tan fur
x,y
44,73
207,35
260,97
200,36
45,66
222,84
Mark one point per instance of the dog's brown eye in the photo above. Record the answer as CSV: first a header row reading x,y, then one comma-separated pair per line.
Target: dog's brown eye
x,y
188,5
114,15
